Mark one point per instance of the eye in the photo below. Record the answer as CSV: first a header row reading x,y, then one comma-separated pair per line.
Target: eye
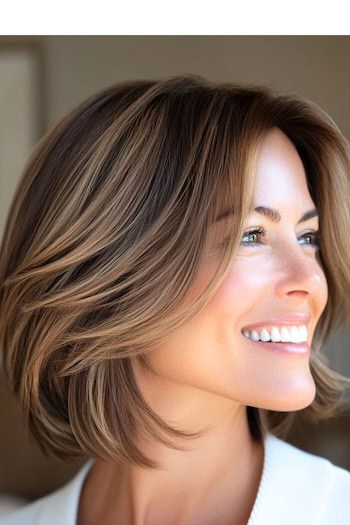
x,y
313,238
260,231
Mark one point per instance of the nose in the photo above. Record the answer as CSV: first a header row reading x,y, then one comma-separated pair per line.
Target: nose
x,y
301,276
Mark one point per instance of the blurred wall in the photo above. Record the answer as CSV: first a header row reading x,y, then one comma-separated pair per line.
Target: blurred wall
x,y
74,67
20,111
315,67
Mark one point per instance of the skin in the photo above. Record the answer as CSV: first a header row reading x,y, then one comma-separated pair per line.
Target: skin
x,y
208,372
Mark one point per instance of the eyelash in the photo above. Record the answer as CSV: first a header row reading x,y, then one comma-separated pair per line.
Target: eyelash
x,y
261,231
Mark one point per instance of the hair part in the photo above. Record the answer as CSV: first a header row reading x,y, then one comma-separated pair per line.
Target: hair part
x,y
107,230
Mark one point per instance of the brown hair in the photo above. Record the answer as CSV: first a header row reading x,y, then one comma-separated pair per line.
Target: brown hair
x,y
107,230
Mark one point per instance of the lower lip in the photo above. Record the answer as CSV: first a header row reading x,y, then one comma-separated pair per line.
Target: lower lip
x,y
283,348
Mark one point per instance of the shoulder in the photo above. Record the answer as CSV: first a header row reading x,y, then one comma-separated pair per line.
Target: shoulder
x,y
300,487
298,461
59,507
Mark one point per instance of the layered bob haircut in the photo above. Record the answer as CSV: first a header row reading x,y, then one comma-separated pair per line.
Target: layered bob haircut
x,y
107,230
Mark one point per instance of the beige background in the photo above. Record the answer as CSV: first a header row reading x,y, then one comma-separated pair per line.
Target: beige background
x,y
71,68
19,70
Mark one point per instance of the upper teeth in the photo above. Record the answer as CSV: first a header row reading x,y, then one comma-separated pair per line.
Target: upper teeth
x,y
293,334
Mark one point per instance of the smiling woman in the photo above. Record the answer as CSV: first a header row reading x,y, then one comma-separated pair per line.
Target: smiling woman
x,y
172,265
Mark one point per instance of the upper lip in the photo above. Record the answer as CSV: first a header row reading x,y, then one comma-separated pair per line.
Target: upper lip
x,y
295,318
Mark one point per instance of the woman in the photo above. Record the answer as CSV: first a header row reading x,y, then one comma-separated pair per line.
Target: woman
x,y
159,231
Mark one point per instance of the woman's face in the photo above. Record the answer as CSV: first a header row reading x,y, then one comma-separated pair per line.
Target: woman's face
x,y
280,275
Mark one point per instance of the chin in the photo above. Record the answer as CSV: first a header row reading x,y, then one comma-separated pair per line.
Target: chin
x,y
290,399
297,401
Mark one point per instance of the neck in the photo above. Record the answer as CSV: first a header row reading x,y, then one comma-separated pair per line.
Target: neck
x,y
215,481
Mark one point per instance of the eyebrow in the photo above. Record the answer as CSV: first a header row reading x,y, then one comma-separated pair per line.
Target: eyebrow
x,y
272,214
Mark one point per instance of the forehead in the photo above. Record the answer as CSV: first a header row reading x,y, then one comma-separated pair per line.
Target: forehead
x,y
280,182
280,175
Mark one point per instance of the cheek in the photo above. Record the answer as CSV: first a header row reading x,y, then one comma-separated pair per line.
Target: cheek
x,y
242,287
242,282
191,354
253,282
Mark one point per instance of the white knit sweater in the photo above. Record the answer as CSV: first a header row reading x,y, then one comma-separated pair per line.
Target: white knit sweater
x,y
296,488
